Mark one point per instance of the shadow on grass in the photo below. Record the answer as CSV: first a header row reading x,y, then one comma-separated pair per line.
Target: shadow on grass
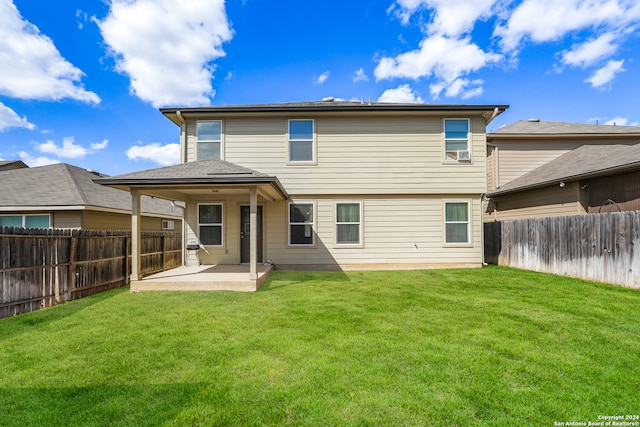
x,y
10,326
124,405
281,279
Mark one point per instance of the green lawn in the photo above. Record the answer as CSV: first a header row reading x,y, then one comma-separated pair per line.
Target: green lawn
x,y
492,346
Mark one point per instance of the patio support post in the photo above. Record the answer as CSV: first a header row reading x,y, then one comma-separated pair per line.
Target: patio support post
x,y
135,236
253,234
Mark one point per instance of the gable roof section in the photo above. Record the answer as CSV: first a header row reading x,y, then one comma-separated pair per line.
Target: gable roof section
x,y
12,164
201,172
62,186
586,161
542,129
335,106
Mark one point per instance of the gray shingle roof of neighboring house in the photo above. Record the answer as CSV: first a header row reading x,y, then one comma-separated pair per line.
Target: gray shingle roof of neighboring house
x,y
62,185
12,164
541,128
201,172
586,161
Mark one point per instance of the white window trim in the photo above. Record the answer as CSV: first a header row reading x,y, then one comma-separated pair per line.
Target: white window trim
x,y
313,140
222,233
469,242
24,218
447,160
313,223
221,141
360,243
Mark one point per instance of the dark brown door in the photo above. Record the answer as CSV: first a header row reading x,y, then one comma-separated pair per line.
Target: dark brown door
x,y
245,236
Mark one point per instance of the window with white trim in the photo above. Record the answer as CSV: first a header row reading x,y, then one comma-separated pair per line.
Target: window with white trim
x,y
301,218
168,224
209,139
301,140
456,223
210,223
456,140
348,223
26,221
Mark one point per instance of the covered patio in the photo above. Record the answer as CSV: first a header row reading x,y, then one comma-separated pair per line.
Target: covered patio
x,y
197,183
204,278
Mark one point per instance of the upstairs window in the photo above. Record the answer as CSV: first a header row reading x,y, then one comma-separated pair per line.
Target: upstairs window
x,y
456,223
209,139
210,224
301,224
456,140
301,141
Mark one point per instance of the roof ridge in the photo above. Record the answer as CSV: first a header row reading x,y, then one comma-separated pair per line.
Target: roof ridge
x,y
76,184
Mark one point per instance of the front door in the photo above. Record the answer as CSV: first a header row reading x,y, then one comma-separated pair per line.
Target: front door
x,y
245,236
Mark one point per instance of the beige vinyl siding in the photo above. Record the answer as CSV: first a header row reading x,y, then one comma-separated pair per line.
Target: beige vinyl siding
x,y
396,231
67,219
97,220
543,202
357,155
519,157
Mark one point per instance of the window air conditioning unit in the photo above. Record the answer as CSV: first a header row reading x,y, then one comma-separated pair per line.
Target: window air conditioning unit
x,y
464,155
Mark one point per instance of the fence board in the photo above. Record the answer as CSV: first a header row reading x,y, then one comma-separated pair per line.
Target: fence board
x,y
43,267
598,247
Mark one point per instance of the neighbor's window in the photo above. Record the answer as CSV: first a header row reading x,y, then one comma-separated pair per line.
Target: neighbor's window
x,y
301,224
209,139
168,224
456,222
25,221
348,223
456,139
301,141
210,224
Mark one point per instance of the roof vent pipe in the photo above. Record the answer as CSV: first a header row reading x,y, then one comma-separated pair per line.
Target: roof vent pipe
x,y
534,120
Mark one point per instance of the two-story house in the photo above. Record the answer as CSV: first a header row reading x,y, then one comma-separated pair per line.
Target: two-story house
x,y
327,185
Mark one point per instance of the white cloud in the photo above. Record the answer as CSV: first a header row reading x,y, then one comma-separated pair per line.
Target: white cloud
x,y
606,74
452,18
30,65
401,94
36,161
322,78
69,149
9,119
591,51
164,155
360,76
99,145
548,20
445,58
166,48
621,121
463,88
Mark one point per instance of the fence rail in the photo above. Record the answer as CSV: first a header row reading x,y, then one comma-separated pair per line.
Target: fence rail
x,y
40,268
601,247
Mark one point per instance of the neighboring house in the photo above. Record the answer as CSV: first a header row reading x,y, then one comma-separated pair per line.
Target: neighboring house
x,y
65,196
6,165
328,185
527,161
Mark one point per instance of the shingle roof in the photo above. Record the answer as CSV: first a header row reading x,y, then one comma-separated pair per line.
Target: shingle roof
x,y
332,106
12,164
201,172
63,185
584,162
538,127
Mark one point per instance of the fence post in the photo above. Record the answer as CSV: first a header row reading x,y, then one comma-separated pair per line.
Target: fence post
x,y
71,274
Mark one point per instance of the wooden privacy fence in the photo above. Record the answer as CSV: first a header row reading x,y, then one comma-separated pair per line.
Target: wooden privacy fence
x,y
599,247
42,267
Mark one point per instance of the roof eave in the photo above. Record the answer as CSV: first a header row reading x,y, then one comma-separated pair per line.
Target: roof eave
x,y
570,178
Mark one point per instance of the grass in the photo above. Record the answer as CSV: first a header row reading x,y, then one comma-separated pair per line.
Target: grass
x,y
494,347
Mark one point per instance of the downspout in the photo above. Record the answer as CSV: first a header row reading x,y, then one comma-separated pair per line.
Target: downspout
x,y
183,159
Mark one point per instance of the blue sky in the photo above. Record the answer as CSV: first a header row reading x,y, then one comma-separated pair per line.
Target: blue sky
x,y
81,81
